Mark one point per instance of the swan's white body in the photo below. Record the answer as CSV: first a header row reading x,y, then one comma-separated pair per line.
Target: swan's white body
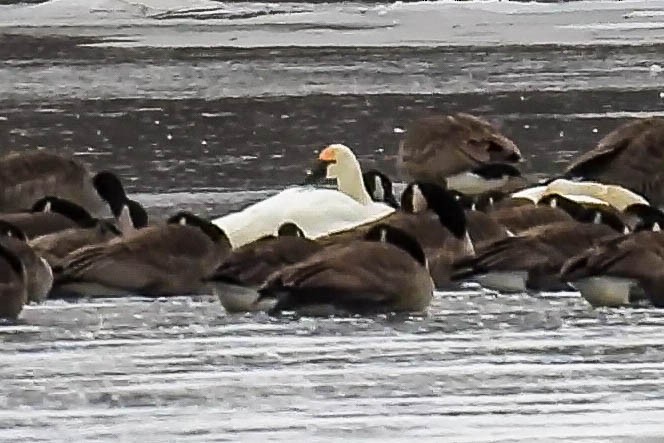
x,y
317,212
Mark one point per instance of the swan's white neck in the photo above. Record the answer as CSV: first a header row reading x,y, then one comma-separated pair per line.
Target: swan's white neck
x,y
349,179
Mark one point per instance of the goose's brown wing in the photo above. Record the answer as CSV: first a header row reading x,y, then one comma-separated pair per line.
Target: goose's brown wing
x,y
28,176
483,229
521,218
154,258
360,277
436,147
251,264
631,156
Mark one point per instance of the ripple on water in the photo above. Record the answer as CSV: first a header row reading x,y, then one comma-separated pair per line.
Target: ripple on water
x,y
479,367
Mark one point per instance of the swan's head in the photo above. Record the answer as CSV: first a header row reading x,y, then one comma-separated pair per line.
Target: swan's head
x,y
330,160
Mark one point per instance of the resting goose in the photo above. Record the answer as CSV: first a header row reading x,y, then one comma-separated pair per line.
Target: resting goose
x,y
13,289
248,267
28,176
630,156
384,272
620,270
55,247
438,147
48,215
533,259
170,259
39,277
317,212
434,218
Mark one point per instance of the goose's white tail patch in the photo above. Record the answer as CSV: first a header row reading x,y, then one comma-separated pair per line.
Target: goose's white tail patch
x,y
605,291
504,281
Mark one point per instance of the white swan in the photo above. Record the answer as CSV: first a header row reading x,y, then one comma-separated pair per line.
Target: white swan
x,y
317,212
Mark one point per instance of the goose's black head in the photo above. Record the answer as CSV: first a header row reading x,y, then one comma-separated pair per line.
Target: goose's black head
x,y
137,213
110,189
487,199
10,230
466,201
422,196
379,187
210,229
495,171
609,217
388,234
14,260
575,209
642,217
67,208
290,229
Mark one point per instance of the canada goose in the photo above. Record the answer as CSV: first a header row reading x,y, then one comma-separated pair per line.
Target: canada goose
x,y
520,218
488,177
379,187
639,217
168,259
48,215
437,147
629,156
129,214
39,277
316,211
28,176
434,218
384,272
533,259
620,270
55,247
250,265
13,290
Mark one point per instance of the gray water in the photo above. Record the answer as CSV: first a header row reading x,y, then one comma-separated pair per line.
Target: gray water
x,y
210,106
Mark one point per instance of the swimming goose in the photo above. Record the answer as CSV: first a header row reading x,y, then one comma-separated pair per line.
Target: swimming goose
x,y
317,212
437,147
434,218
620,270
629,156
533,259
13,290
28,176
39,277
250,265
48,215
159,260
384,272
